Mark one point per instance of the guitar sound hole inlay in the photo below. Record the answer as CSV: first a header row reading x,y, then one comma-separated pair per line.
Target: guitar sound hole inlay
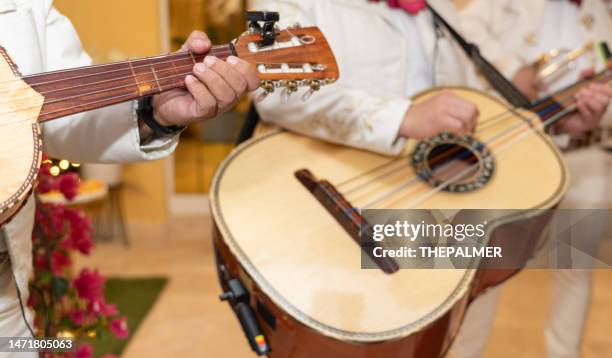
x,y
456,164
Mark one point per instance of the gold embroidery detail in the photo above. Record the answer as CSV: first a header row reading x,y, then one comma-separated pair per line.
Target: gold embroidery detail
x,y
531,39
588,21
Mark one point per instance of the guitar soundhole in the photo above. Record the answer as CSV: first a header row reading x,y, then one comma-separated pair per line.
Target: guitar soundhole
x,y
453,164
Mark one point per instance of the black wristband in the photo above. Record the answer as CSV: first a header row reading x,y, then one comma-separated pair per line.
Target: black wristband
x,y
145,112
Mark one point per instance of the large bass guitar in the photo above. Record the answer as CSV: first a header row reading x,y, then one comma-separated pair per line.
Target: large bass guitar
x,y
285,229
286,60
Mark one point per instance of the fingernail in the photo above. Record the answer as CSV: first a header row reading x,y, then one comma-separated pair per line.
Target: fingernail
x,y
199,68
200,43
233,60
190,79
210,60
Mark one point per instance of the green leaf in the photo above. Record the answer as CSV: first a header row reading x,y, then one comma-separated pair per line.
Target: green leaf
x,y
45,277
59,287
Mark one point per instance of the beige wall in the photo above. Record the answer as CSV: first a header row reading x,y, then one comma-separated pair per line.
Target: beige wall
x,y
110,30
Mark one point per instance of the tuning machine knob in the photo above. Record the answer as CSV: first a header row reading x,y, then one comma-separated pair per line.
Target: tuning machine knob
x,y
267,87
289,88
315,85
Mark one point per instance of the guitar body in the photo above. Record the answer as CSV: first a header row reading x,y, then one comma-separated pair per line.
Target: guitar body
x,y
303,271
20,138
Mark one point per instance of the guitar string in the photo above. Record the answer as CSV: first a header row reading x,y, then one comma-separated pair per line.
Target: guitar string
x,y
459,176
101,90
503,135
83,104
525,133
442,155
415,179
131,76
94,67
490,121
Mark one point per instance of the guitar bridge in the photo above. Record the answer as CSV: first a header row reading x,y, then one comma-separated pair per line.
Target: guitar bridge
x,y
347,216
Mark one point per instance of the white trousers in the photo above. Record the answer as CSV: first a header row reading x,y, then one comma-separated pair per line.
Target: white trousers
x,y
477,323
570,301
11,318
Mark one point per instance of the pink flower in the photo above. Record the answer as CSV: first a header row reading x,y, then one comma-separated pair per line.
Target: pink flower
x,y
40,262
109,309
83,243
57,219
77,317
59,261
45,186
84,351
90,285
98,307
119,328
68,184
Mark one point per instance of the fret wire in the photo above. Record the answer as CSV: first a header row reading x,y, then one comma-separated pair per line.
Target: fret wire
x,y
156,79
133,76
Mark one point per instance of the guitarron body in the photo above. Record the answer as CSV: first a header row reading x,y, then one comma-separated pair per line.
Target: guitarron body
x,y
302,269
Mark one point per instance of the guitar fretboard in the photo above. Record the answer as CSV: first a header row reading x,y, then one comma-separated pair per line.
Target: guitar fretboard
x,y
83,89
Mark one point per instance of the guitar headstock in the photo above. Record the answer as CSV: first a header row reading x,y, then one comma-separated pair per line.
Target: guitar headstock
x,y
290,59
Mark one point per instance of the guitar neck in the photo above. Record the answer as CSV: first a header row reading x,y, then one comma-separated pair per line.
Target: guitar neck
x,y
83,89
565,98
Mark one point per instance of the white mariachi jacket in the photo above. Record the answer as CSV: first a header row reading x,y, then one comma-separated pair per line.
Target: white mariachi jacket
x,y
505,30
40,39
365,108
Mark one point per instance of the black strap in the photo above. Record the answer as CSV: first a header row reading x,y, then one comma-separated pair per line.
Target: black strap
x,y
501,84
249,126
145,112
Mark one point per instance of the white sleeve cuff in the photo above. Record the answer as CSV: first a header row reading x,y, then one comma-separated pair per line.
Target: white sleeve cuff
x,y
155,147
386,127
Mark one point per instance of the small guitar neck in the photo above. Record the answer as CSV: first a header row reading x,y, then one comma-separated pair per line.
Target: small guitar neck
x,y
83,89
565,99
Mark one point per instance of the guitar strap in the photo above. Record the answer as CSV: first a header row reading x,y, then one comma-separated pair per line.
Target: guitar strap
x,y
501,84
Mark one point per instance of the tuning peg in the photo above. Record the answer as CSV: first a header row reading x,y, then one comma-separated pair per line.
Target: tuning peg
x,y
285,95
262,96
315,85
290,88
267,87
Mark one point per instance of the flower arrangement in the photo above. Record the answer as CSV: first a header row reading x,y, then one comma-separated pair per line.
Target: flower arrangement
x,y
65,305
